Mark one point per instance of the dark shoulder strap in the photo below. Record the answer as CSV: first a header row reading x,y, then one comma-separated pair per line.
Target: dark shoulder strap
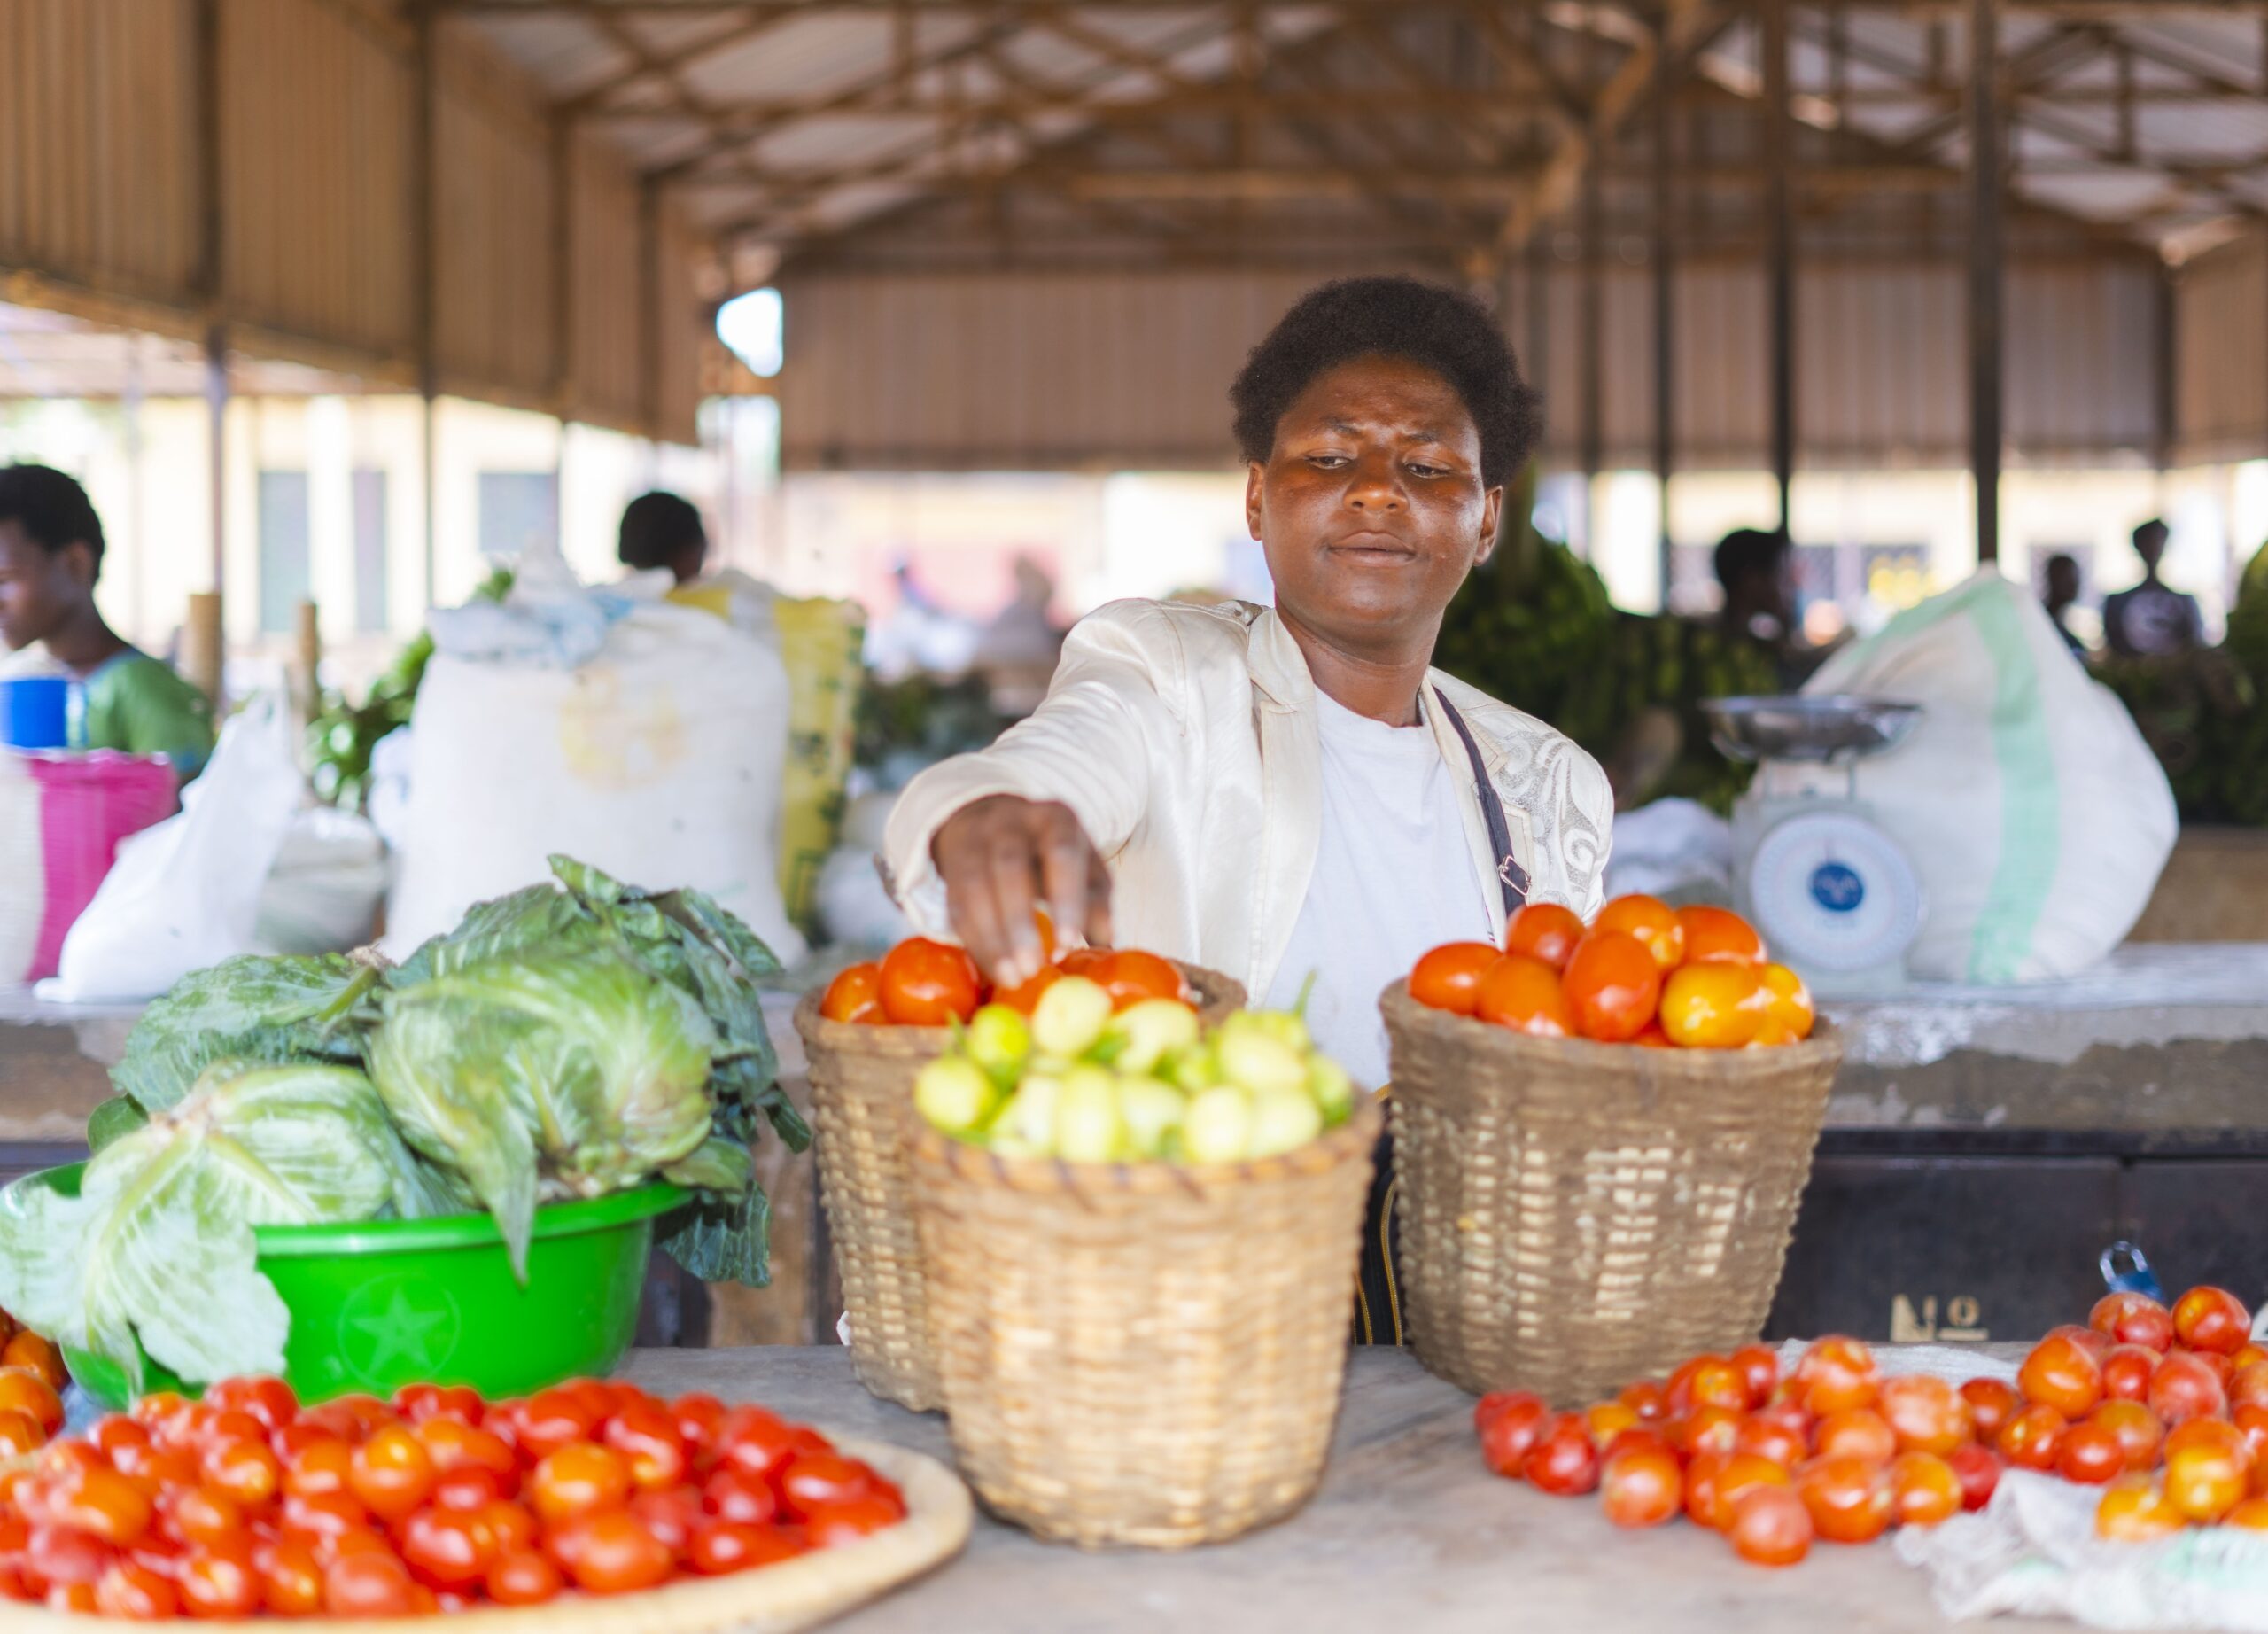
x,y
1509,875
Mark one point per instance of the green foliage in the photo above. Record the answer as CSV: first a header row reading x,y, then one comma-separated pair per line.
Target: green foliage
x,y
310,1008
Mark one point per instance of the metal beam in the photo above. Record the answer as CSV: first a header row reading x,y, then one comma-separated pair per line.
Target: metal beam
x,y
424,262
1780,252
1985,383
2097,11
211,274
1665,314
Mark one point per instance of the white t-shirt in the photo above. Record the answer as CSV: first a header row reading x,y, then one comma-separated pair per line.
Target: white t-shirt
x,y
1394,877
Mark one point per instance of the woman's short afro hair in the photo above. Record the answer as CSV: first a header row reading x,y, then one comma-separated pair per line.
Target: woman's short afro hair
x,y
1440,329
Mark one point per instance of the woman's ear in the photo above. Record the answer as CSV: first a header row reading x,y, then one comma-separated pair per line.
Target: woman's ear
x,y
1492,510
79,562
1253,508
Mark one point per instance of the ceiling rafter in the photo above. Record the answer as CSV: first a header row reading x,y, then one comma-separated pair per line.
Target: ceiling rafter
x,y
668,63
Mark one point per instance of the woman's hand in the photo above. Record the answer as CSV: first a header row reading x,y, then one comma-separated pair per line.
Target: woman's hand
x,y
1003,857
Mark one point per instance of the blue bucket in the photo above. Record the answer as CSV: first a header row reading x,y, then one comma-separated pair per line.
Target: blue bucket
x,y
35,712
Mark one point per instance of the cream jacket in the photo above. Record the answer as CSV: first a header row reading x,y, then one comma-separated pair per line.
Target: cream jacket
x,y
1184,740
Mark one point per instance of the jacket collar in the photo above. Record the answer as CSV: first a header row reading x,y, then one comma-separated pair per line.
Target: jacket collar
x,y
1279,669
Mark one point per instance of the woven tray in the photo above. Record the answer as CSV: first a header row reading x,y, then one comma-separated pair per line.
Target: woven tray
x,y
1572,1216
800,1593
862,1084
1143,1354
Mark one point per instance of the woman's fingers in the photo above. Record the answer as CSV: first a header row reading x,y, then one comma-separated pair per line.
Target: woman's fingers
x,y
1014,880
1097,923
1000,858
1067,870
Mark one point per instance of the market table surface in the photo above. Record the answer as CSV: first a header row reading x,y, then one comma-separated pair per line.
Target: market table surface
x,y
1407,1533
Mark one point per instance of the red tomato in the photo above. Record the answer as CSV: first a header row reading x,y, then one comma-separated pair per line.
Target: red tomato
x,y
2204,1482
646,1435
1777,1434
1849,1499
447,1549
61,1554
219,1581
201,1515
831,1526
391,1472
1991,1404
1649,921
1606,1420
418,1403
927,983
103,1504
1714,1494
740,1498
816,1478
2062,1374
273,1403
2185,1387
1129,977
523,1577
610,1551
2252,1515
670,1516
467,1490
2134,1511
1759,1366
2034,1438
549,1420
1771,1526
1451,976
722,1546
319,1466
1718,934
371,1583
2126,1372
2212,1318
1923,1488
2138,1432
2249,1387
290,1582
2093,1455
1926,1414
854,995
1836,1375
1704,1429
1979,1471
1562,1463
1544,931
24,1391
2133,1319
246,1471
1524,994
1613,985
1860,1433
513,1525
1648,1399
1708,1381
1024,999
577,1478
698,1418
125,1590
755,1441
1718,1006
1641,1487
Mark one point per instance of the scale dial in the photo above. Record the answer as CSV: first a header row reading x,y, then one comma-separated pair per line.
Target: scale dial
x,y
1834,893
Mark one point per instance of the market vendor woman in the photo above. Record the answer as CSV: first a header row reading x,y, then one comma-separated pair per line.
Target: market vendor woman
x,y
1287,792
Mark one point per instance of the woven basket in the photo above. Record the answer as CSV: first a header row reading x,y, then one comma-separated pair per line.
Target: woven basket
x,y
1143,1354
1572,1216
862,1086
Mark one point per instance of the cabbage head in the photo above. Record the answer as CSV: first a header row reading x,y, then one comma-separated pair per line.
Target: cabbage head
x,y
158,1242
565,1072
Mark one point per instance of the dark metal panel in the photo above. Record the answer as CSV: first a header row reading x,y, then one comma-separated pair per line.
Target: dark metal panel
x,y
2202,1222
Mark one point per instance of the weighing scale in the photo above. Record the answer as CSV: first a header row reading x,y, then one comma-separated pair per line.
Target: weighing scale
x,y
1834,897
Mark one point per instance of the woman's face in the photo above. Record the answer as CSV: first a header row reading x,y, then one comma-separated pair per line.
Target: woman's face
x,y
1370,507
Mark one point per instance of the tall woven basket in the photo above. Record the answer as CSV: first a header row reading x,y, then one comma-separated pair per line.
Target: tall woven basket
x,y
1143,1354
1574,1216
862,1084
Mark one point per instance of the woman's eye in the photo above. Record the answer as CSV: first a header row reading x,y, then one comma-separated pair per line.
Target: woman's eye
x,y
1424,470
1328,462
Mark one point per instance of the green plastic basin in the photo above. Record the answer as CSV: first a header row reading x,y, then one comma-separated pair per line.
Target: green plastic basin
x,y
383,1304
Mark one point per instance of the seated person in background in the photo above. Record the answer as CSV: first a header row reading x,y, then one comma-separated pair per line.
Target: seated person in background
x,y
662,530
2062,594
1756,570
50,555
2151,618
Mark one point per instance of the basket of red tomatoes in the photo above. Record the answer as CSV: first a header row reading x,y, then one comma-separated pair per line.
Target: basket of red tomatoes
x,y
868,1034
1600,1135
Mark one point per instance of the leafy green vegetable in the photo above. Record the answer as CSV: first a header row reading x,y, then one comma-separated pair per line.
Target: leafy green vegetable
x,y
310,1008
120,1115
574,1068
157,1243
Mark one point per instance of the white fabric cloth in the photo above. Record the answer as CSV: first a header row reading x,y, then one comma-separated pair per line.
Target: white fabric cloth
x,y
1391,878
1184,740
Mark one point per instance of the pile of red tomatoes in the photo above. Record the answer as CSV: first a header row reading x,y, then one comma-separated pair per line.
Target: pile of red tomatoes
x,y
245,1503
925,983
2166,1409
1641,972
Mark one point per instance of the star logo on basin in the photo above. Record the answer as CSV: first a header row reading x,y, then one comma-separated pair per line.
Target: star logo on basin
x,y
398,1327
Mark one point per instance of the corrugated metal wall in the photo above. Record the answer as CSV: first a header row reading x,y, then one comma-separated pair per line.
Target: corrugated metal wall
x,y
102,209
1034,369
2221,352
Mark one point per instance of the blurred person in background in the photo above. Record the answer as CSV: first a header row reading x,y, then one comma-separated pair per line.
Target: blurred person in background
x,y
2152,619
1756,570
50,555
2062,594
1016,651
663,530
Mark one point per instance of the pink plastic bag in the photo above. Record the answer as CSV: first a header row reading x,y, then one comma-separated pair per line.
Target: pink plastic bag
x,y
83,806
